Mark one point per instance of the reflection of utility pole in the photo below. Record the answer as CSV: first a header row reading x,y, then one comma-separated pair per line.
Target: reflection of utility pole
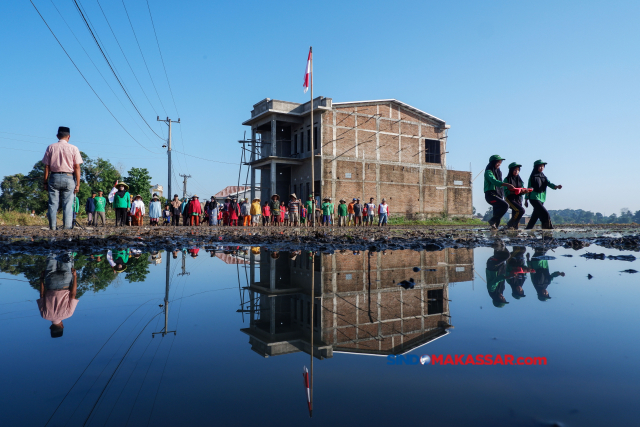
x,y
184,185
166,305
184,273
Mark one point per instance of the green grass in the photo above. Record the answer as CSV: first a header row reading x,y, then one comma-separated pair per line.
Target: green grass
x,y
21,218
436,221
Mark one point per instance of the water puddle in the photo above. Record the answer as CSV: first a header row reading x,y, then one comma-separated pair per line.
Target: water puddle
x,y
233,335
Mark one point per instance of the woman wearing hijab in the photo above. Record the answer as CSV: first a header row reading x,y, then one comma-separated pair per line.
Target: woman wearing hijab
x,y
194,210
155,210
213,212
493,192
539,183
234,212
514,198
121,200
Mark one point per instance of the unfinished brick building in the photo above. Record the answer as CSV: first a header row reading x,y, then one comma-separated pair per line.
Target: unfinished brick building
x,y
369,302
382,148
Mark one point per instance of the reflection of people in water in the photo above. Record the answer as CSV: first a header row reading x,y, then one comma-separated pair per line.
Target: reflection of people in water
x,y
194,252
58,286
540,277
517,271
118,260
496,274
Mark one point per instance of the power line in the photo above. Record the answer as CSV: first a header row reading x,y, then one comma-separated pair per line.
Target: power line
x,y
111,67
167,77
202,158
98,70
145,61
125,56
85,79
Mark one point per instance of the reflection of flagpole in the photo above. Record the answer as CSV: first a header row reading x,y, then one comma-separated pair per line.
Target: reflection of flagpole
x,y
313,303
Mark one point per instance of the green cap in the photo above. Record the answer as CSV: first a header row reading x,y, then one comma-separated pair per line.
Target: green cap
x,y
499,304
543,297
539,162
517,296
514,165
495,157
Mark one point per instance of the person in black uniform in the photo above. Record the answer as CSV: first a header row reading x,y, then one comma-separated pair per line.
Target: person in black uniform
x,y
514,200
493,192
517,272
540,276
539,183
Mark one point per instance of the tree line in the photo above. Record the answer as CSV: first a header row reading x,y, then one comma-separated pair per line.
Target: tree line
x,y
580,216
26,193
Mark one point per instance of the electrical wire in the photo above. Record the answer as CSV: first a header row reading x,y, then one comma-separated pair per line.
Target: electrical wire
x,y
143,59
85,79
125,56
202,158
82,15
98,70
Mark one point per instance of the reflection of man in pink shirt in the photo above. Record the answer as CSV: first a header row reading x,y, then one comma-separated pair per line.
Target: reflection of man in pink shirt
x,y
58,286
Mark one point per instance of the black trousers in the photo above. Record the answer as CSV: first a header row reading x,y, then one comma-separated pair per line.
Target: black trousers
x,y
539,213
121,216
175,220
517,210
500,207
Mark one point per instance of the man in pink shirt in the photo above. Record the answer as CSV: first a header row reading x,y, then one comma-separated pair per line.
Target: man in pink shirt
x,y
62,177
58,286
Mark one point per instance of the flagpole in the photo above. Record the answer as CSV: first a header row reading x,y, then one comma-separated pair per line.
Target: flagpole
x,y
313,151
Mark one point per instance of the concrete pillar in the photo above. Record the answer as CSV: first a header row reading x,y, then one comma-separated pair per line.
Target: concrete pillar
x,y
273,178
253,158
274,150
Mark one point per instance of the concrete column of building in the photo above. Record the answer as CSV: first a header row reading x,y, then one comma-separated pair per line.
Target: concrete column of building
x,y
272,171
253,158
274,128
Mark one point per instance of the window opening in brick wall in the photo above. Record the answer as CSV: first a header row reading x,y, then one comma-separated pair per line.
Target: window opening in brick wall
x,y
308,140
432,151
315,137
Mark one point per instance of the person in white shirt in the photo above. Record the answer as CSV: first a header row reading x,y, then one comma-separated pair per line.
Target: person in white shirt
x,y
371,209
137,211
383,213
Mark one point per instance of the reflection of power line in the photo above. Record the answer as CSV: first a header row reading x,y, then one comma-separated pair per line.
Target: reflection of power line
x,y
92,359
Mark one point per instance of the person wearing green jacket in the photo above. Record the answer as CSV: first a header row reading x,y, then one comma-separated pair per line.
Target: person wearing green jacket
x,y
540,276
493,190
101,204
122,204
539,182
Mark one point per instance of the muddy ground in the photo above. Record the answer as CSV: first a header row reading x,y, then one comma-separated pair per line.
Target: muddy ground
x,y
324,239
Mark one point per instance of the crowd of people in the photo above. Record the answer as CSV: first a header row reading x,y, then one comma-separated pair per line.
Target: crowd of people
x,y
62,181
130,211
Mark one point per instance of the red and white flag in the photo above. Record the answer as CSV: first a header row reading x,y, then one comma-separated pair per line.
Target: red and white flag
x,y
305,376
307,73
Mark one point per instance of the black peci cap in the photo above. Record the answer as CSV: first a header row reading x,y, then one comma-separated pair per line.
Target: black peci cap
x,y
63,129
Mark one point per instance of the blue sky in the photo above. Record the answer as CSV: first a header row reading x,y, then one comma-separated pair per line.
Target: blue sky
x,y
550,80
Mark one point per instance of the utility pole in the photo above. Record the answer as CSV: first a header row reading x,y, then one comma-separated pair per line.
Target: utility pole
x,y
168,121
184,185
164,331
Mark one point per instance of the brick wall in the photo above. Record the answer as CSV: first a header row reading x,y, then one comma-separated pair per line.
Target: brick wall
x,y
363,308
382,146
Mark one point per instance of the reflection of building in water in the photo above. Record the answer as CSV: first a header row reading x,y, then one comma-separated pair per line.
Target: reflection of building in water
x,y
370,303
